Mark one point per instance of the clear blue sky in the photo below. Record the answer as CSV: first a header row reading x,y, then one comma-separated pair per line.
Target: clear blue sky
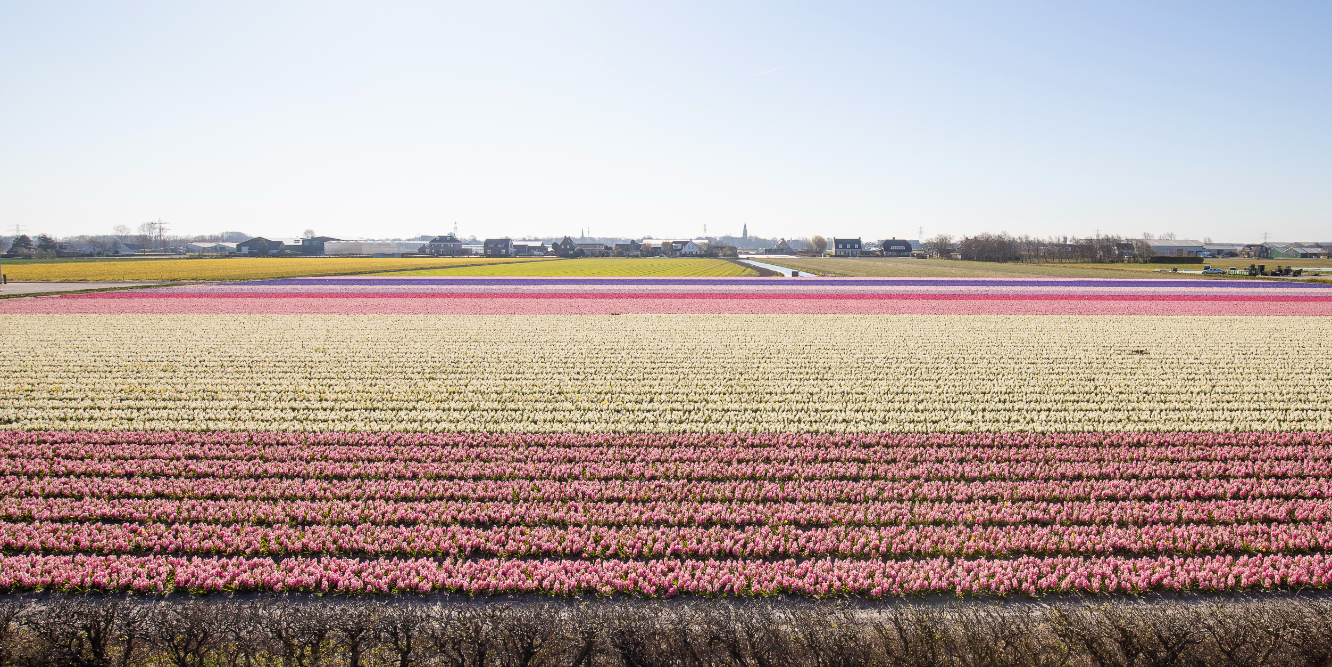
x,y
871,119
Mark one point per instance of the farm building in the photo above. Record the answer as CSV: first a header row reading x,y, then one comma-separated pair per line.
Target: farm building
x,y
1176,247
259,246
372,248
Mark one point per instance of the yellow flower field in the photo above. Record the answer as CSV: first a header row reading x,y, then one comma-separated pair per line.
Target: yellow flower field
x,y
230,268
601,266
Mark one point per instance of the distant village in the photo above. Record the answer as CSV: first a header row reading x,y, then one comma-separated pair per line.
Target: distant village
x,y
152,240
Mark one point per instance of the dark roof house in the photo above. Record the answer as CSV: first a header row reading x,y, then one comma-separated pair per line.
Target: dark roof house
x,y
846,247
498,248
895,248
447,245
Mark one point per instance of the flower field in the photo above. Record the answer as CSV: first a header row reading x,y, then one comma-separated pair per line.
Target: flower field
x,y
871,438
600,266
419,295
227,268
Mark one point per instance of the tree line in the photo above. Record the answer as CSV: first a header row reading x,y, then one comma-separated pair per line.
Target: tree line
x,y
1098,249
95,631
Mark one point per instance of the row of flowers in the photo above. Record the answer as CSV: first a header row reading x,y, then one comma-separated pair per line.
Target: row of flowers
x,y
668,513
389,446
751,542
819,577
622,468
688,374
861,449
542,304
539,490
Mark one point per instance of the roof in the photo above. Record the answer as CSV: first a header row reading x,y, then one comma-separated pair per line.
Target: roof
x,y
1174,243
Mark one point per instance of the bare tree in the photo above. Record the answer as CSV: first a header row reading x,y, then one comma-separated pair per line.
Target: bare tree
x,y
187,633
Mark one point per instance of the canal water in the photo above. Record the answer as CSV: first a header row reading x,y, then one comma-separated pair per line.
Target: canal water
x,y
780,269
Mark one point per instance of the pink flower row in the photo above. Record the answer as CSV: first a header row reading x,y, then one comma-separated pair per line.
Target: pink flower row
x,y
1030,575
329,443
620,468
749,542
679,490
804,453
667,513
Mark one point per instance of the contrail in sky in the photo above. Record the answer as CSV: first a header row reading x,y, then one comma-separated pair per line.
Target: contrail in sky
x,y
769,71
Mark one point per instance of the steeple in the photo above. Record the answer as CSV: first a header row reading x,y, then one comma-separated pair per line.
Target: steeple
x,y
745,234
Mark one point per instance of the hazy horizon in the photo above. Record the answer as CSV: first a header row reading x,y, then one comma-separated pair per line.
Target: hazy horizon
x,y
854,119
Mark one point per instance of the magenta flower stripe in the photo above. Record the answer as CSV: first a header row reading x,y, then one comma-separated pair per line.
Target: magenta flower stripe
x,y
566,296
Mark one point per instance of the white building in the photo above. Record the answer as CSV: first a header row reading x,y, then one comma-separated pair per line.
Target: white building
x,y
1177,247
210,248
370,247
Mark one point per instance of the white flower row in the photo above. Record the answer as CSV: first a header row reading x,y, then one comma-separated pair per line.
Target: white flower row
x,y
665,373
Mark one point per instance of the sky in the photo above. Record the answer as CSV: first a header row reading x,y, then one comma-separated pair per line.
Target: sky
x,y
870,119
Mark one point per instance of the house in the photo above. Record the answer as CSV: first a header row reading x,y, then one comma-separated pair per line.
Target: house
x,y
689,249
498,248
591,249
447,245
896,248
1176,248
630,249
565,247
529,249
259,246
846,247
785,247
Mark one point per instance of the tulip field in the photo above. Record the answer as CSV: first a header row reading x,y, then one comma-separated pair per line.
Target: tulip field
x,y
660,437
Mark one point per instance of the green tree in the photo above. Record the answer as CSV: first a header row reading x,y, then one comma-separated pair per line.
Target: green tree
x,y
21,245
